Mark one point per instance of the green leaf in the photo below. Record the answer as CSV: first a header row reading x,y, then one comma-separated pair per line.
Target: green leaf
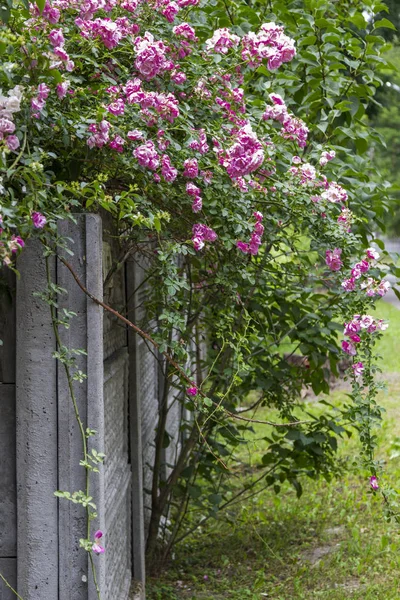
x,y
55,73
157,224
215,499
166,440
41,4
358,20
5,14
384,23
194,491
361,145
297,486
397,292
308,41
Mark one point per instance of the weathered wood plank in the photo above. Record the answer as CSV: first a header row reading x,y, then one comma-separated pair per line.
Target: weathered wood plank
x,y
8,483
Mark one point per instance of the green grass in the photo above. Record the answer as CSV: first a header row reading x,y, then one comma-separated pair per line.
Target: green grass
x,y
389,345
332,544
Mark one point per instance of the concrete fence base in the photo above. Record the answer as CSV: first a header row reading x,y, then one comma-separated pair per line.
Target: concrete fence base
x,y
40,441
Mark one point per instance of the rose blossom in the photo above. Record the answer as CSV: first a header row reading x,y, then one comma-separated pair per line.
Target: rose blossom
x,y
191,168
39,220
12,142
147,155
349,348
366,321
167,170
202,233
349,284
383,287
184,30
358,369
355,338
243,246
96,548
192,391
197,204
16,243
245,155
6,126
334,193
192,189
332,259
198,243
372,254
326,157
373,481
381,325
135,135
150,56
56,37
170,11
178,77
61,89
117,143
116,108
222,40
352,327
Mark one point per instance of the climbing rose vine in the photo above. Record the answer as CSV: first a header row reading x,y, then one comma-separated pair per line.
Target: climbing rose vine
x,y
191,138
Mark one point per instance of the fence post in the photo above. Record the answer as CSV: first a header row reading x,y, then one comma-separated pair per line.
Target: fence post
x,y
50,563
135,426
36,411
86,333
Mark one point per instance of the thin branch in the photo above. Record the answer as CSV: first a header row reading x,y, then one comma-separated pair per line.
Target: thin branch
x,y
233,500
168,357
9,586
229,12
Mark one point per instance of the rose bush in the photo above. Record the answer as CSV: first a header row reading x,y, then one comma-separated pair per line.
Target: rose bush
x,y
234,159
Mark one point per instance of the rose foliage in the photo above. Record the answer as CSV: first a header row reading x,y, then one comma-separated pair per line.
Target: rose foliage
x,y
229,143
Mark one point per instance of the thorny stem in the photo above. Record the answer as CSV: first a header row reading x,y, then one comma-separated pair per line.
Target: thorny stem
x,y
233,500
156,508
94,574
168,357
78,420
228,11
9,586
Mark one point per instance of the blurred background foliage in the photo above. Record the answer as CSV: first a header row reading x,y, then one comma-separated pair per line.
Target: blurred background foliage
x,y
386,119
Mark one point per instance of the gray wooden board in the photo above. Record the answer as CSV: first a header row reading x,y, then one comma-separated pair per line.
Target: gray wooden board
x,y
8,483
